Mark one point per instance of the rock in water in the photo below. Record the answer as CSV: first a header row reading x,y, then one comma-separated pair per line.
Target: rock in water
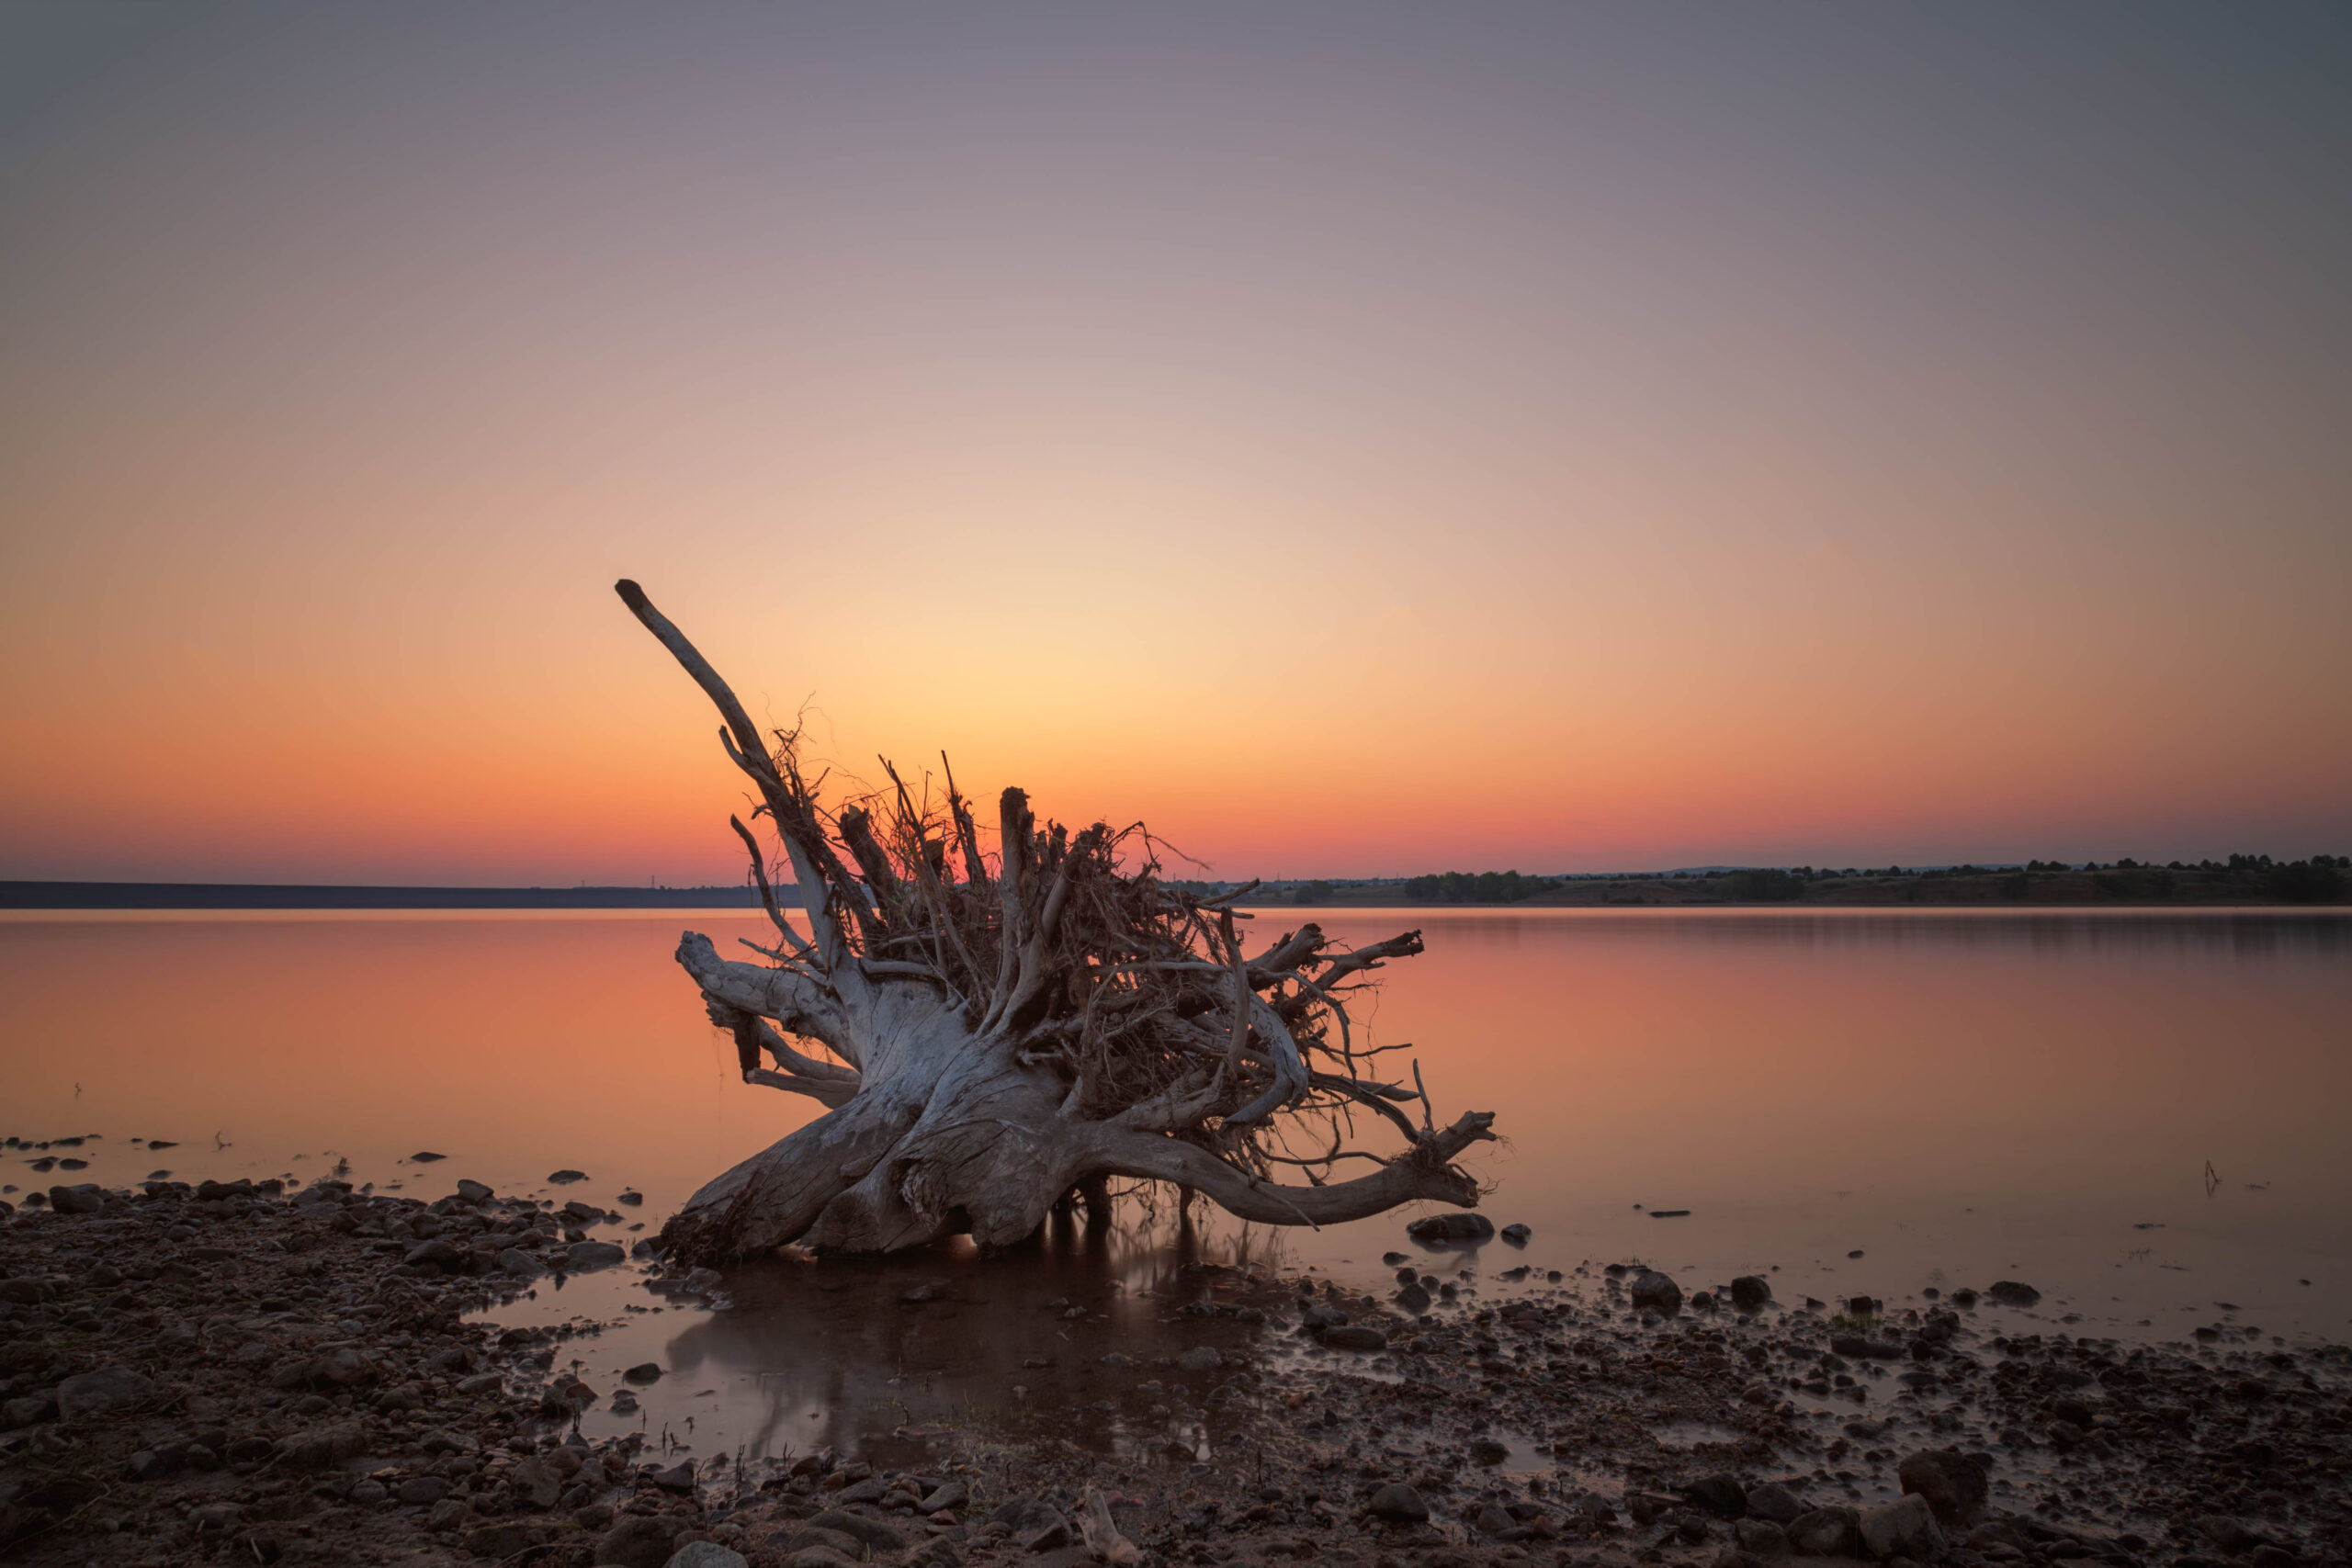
x,y
427,1156
1750,1292
1452,1227
1951,1483
593,1254
1399,1503
472,1191
561,1177
1656,1291
1516,1235
1906,1528
2010,1292
1355,1336
1774,1502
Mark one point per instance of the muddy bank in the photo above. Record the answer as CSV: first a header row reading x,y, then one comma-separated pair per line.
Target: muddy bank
x,y
234,1373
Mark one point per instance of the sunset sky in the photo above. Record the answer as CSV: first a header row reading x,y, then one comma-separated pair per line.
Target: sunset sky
x,y
1359,440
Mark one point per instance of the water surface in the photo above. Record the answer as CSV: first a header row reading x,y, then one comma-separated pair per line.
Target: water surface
x,y
2141,1114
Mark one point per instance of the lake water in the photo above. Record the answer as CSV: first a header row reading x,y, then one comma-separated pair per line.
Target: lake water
x,y
2143,1115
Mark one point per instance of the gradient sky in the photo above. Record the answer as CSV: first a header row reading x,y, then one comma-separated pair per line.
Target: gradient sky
x,y
1358,440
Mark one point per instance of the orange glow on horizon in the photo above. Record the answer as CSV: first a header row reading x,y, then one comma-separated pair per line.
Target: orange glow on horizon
x,y
1354,450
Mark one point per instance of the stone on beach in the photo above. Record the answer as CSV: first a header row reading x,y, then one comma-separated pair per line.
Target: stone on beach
x,y
1656,1291
1397,1503
1950,1482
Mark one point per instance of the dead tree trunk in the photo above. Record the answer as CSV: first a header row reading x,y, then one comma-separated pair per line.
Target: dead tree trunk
x,y
990,1032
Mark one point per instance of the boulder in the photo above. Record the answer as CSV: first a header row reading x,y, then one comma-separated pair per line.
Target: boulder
x,y
472,1191
500,1541
1953,1483
1355,1336
95,1393
1516,1235
82,1197
705,1554
594,1254
1397,1503
638,1540
1823,1532
793,1542
1751,1293
1657,1292
438,1253
818,1557
2010,1292
1721,1495
876,1535
1906,1528
1761,1538
320,1447
1774,1502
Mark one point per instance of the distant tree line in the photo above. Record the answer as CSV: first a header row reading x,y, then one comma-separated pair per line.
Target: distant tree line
x,y
2317,880
1475,887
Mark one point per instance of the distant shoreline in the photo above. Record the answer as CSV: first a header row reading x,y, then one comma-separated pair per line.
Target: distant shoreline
x,y
2114,890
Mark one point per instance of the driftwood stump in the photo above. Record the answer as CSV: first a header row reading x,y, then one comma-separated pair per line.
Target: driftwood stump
x,y
995,1034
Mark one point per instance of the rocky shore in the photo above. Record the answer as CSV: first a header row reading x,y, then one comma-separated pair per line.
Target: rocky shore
x,y
234,1373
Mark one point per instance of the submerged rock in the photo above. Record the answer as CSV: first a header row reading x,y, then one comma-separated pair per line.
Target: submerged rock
x,y
2010,1292
1452,1227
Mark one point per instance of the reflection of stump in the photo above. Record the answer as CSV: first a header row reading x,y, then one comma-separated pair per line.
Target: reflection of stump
x,y
991,1041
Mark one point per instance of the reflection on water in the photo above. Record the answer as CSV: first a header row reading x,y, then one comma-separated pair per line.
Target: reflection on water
x,y
1956,1096
1111,1336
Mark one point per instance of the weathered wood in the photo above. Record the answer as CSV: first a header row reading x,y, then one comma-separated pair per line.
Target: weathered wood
x,y
985,1047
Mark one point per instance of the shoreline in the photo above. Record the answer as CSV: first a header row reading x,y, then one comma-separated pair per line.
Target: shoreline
x,y
226,1372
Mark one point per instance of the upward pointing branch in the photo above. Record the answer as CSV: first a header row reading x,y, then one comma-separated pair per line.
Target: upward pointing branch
x,y
747,734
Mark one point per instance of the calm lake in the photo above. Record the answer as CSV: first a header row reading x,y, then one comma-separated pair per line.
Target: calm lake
x,y
2143,1115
